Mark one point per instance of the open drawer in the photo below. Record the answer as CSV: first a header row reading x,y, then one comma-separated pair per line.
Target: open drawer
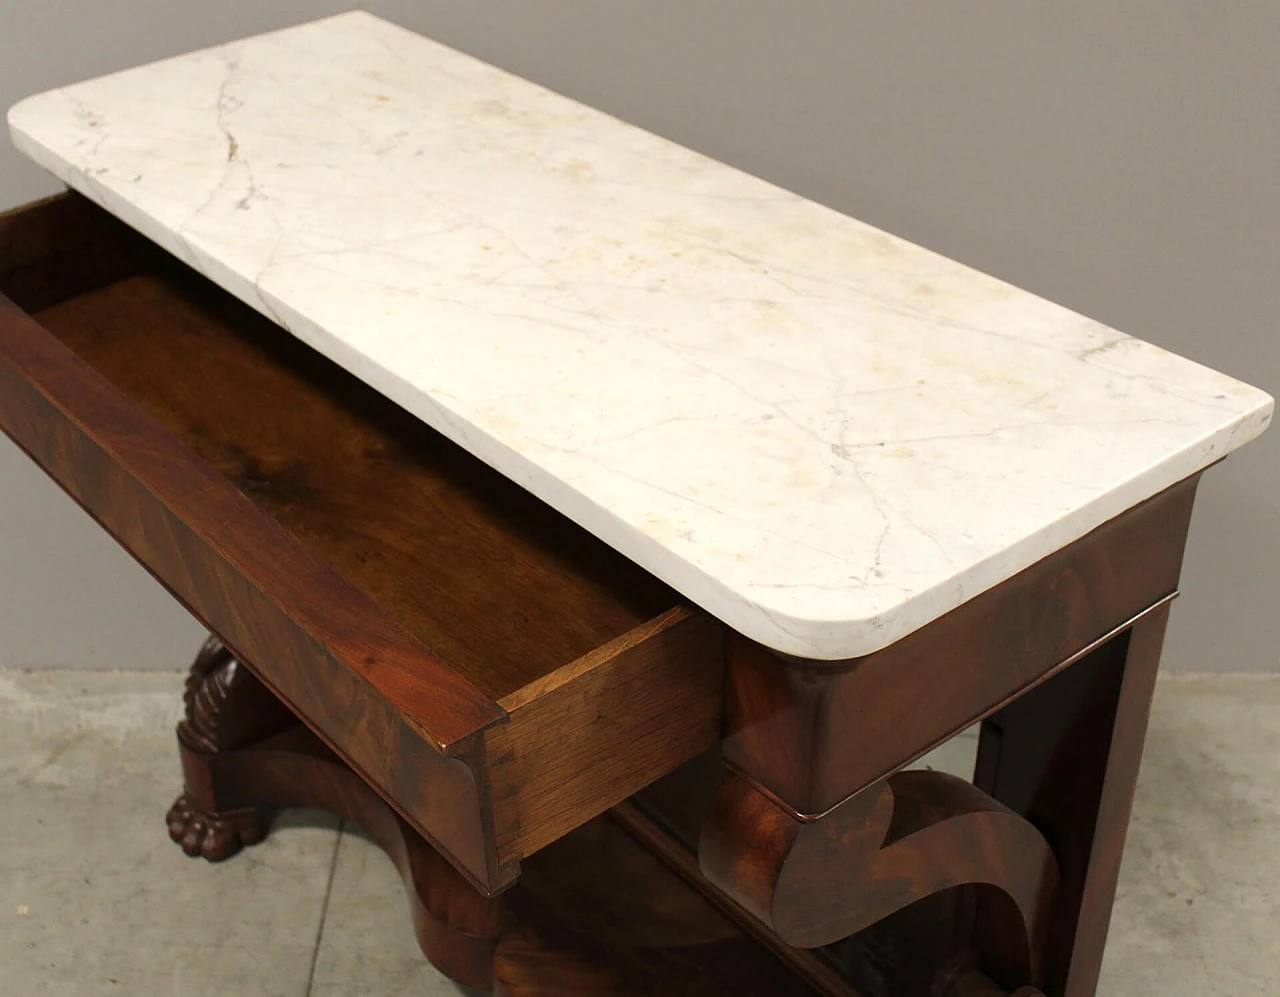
x,y
495,672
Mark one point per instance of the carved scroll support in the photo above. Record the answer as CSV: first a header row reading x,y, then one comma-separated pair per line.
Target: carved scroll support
x,y
909,837
244,754
226,708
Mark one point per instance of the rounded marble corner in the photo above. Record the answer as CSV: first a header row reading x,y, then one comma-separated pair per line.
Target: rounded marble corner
x,y
16,112
14,115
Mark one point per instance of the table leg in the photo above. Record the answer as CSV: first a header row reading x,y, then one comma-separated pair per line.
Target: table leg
x,y
1066,756
244,753
226,708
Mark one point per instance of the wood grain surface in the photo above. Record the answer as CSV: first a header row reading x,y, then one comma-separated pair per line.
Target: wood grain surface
x,y
494,581
400,596
814,733
1066,755
645,703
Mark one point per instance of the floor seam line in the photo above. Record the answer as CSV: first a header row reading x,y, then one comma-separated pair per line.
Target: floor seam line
x,y
324,907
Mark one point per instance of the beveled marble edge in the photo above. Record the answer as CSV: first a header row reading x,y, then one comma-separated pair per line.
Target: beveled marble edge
x,y
1207,414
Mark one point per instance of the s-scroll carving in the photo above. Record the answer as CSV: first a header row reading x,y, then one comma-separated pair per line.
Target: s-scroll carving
x,y
908,837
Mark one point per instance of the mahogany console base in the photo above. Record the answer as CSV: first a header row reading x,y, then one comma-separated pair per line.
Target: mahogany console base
x,y
617,908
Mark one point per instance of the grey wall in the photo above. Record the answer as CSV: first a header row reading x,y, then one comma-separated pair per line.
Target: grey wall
x,y
68,595
1118,156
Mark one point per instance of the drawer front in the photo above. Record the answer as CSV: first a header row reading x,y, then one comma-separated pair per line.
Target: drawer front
x,y
605,727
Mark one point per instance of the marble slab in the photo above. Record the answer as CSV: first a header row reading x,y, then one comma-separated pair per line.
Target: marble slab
x,y
821,433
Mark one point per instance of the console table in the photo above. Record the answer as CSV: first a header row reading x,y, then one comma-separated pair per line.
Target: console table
x,y
605,529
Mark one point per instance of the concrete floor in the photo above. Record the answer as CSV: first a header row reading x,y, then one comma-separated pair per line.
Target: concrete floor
x,y
94,899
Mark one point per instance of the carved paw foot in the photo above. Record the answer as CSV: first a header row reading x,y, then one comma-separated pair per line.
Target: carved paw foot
x,y
213,836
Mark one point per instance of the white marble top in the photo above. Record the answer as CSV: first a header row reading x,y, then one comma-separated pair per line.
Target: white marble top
x,y
823,434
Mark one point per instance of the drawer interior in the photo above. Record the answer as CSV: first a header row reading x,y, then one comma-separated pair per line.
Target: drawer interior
x,y
502,587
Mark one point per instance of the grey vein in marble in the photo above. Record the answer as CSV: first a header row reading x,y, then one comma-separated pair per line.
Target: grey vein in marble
x,y
821,433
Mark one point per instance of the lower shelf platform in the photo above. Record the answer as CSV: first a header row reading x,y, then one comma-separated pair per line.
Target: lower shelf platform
x,y
593,914
597,914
